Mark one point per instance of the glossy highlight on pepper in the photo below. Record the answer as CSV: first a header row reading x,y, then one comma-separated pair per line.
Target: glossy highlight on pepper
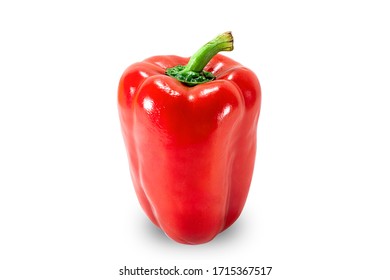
x,y
191,147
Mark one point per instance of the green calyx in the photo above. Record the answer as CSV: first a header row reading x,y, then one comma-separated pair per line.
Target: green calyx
x,y
188,77
193,74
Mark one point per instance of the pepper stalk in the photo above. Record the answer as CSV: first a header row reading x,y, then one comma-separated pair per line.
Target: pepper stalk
x,y
193,74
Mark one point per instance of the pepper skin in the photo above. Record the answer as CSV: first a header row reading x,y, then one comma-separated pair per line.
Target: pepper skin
x,y
191,150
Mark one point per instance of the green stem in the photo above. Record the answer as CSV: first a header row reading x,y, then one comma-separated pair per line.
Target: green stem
x,y
199,60
193,73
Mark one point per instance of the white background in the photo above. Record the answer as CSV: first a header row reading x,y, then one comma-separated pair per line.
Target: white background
x,y
319,202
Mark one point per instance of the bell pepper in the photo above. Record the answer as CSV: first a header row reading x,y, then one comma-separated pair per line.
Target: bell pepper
x,y
189,127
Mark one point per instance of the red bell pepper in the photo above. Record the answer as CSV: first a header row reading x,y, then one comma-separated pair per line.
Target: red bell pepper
x,y
189,126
